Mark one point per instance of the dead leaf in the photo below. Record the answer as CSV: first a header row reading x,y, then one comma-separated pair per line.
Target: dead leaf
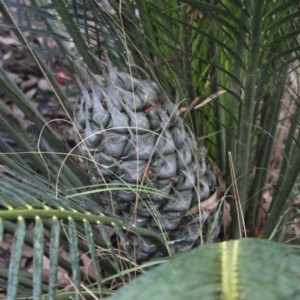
x,y
61,274
31,93
44,85
186,110
63,253
262,211
221,177
88,267
210,98
15,77
211,202
27,251
7,241
208,204
8,55
9,40
226,219
31,82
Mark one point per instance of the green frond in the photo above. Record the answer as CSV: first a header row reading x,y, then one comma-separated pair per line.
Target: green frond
x,y
49,208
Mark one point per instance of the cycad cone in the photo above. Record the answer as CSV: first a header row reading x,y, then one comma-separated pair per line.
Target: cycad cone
x,y
141,150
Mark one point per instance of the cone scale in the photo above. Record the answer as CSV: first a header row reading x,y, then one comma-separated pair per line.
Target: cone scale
x,y
139,147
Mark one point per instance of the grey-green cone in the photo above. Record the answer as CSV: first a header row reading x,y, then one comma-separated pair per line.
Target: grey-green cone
x,y
142,151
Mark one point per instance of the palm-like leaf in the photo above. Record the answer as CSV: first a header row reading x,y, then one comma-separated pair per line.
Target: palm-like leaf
x,y
51,209
244,269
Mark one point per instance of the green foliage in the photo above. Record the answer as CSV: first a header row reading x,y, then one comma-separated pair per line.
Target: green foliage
x,y
193,49
51,208
246,269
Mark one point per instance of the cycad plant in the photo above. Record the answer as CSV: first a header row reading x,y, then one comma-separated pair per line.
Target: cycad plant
x,y
143,63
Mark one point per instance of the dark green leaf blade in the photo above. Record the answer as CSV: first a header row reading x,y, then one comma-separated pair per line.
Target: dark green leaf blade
x,y
38,258
15,260
54,253
94,256
74,255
